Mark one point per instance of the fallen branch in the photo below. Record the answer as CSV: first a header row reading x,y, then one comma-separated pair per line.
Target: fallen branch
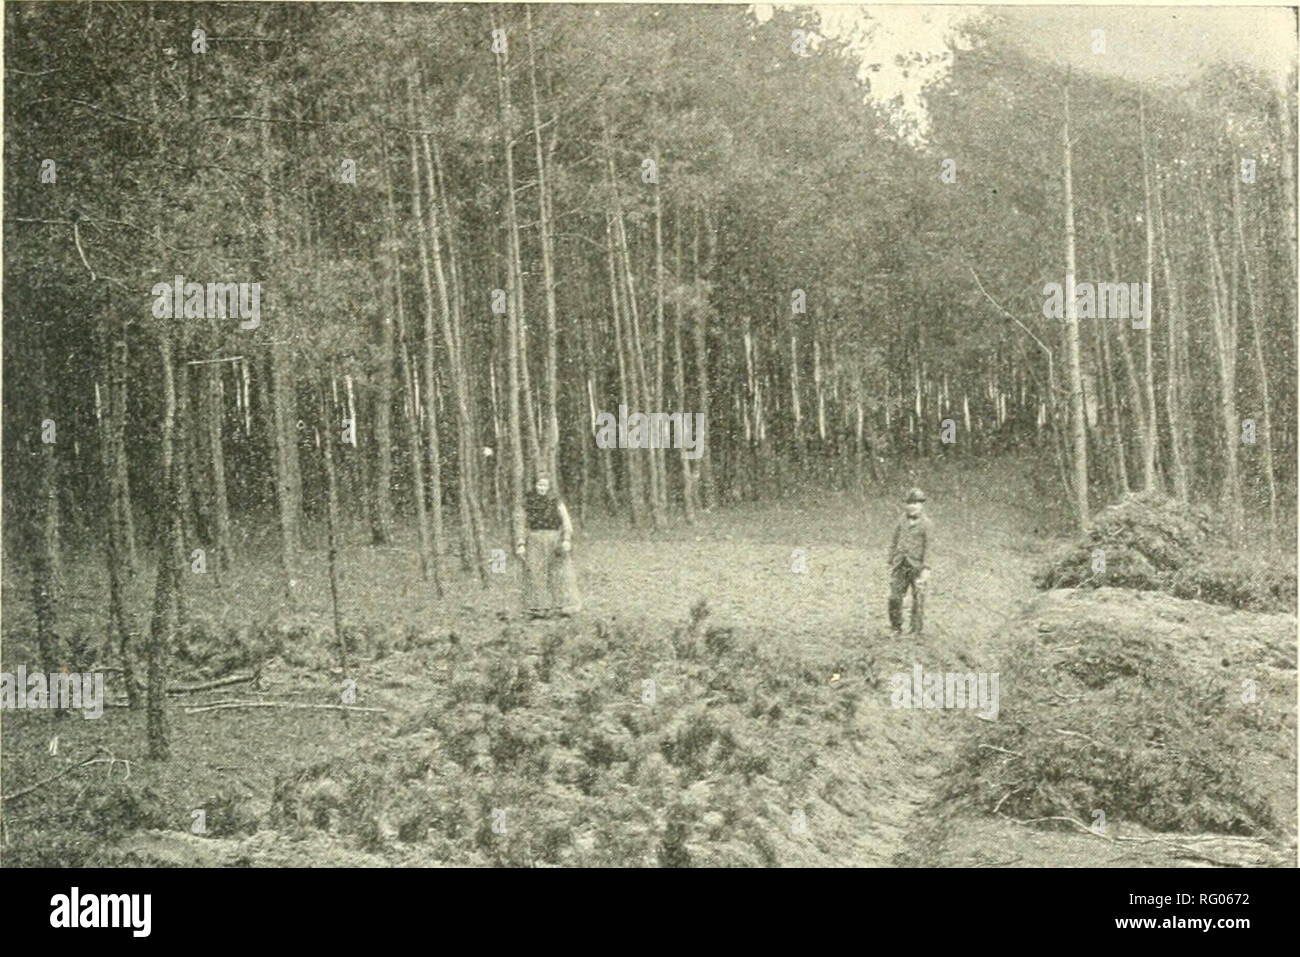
x,y
998,807
288,705
1080,734
1067,697
209,685
1182,849
110,760
994,747
76,238
1069,820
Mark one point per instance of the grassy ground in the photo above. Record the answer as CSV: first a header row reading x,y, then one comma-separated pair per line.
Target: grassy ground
x,y
771,739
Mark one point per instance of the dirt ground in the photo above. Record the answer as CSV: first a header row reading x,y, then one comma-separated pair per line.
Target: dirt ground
x,y
773,737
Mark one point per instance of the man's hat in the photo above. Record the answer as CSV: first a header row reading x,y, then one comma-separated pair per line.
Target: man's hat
x,y
915,495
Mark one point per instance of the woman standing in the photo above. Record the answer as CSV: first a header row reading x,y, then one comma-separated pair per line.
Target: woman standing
x,y
550,582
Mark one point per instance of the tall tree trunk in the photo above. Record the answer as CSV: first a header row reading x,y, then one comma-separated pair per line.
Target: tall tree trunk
x,y
1175,388
119,553
190,404
1102,335
707,485
640,378
626,382
216,460
590,371
1149,378
283,433
410,401
657,458
1135,394
162,629
471,511
1261,369
185,427
328,425
796,408
1225,340
430,381
44,536
411,411
472,531
1287,142
549,386
381,520
120,479
689,503
1077,427
515,304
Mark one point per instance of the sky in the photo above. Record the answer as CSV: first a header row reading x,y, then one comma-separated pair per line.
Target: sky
x,y
1167,45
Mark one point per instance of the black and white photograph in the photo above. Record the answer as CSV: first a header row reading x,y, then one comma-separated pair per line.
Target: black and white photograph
x,y
633,435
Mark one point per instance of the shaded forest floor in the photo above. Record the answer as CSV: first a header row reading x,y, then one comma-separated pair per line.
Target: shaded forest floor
x,y
771,737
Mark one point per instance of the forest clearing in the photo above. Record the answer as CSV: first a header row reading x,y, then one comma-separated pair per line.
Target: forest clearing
x,y
648,436
772,700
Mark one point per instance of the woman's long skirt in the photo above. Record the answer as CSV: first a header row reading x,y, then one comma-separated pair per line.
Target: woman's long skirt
x,y
550,581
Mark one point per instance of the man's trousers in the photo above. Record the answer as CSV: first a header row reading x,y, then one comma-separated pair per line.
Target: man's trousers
x,y
902,577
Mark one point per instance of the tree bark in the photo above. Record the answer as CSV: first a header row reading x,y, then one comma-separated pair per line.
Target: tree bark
x,y
1225,339
118,554
657,459
640,380
381,520
120,477
549,385
44,524
283,433
590,372
471,511
184,459
517,359
162,629
689,503
430,381
708,487
1149,377
1102,335
328,425
1261,369
1175,388
626,381
216,460
1135,394
410,403
1077,428
1287,141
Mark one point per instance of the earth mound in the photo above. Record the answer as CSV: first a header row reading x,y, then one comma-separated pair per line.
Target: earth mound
x,y
1127,714
616,748
1154,543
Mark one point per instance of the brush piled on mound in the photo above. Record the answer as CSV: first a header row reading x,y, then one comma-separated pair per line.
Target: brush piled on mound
x,y
620,748
1153,543
1144,708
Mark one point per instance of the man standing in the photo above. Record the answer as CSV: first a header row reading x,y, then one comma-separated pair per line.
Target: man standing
x,y
909,563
